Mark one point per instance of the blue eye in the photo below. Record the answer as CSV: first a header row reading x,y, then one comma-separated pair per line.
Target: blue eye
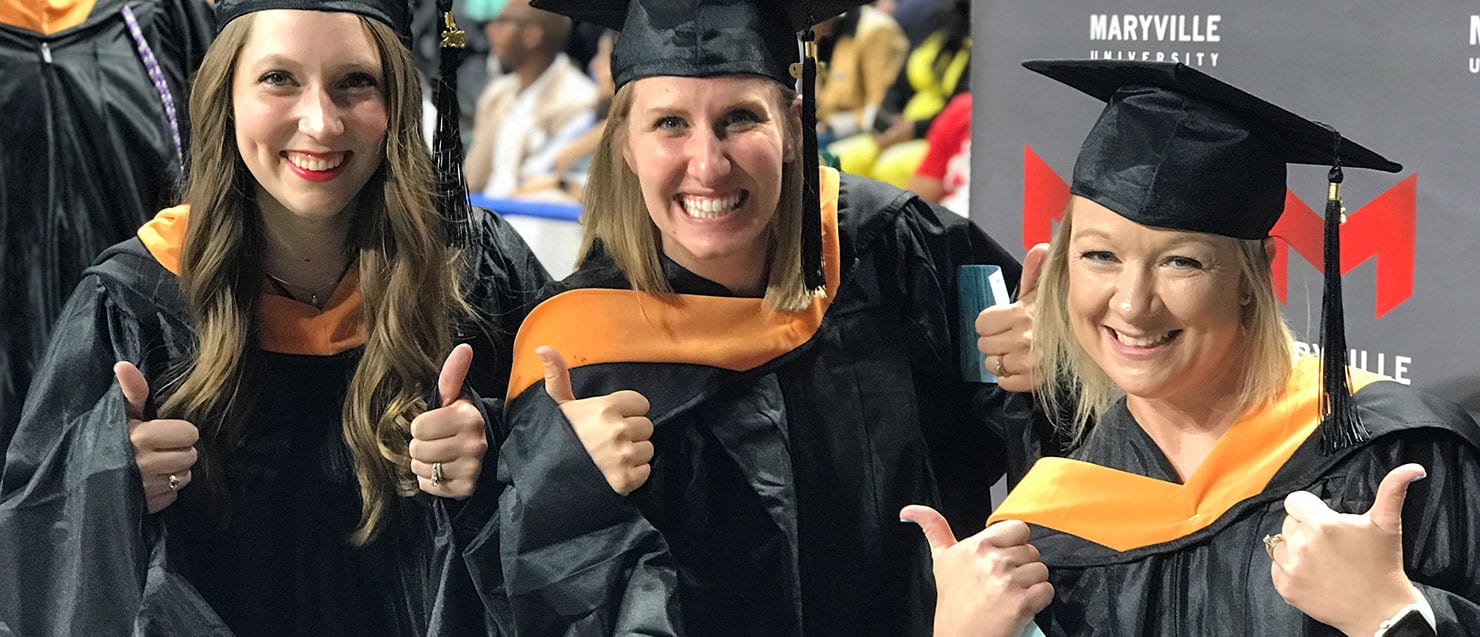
x,y
1186,263
669,122
276,78
1097,256
360,80
740,117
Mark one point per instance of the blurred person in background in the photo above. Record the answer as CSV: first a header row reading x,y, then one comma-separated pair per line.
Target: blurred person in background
x,y
540,103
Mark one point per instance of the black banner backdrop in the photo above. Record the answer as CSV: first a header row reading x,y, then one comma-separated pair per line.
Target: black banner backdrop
x,y
1400,78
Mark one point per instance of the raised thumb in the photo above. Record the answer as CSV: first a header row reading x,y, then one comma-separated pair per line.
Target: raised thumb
x,y
557,375
1387,507
937,529
454,372
135,388
1032,267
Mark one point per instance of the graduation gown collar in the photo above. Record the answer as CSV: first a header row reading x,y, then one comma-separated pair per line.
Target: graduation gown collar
x,y
1125,511
726,332
284,326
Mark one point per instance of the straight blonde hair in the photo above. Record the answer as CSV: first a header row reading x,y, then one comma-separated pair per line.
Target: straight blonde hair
x,y
617,216
1076,392
408,278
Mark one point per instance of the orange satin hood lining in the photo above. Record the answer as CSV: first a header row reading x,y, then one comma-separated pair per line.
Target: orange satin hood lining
x,y
1125,511
45,16
591,326
284,326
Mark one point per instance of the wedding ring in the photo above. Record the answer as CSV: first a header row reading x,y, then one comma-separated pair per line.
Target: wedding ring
x,y
1270,541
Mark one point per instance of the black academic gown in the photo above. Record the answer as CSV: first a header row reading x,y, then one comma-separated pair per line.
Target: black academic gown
x,y
86,156
80,556
772,508
1216,580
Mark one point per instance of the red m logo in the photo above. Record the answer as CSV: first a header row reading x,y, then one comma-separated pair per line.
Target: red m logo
x,y
1383,229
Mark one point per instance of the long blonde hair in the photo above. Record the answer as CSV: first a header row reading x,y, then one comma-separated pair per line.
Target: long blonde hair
x,y
1077,392
408,278
617,216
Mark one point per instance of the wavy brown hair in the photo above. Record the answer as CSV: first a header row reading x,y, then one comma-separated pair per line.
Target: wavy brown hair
x,y
617,216
408,278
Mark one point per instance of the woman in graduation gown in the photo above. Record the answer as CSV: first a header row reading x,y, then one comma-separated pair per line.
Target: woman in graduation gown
x,y
1216,484
743,413
279,344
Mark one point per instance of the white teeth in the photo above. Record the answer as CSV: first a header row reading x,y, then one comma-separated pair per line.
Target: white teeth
x,y
709,207
316,164
1143,342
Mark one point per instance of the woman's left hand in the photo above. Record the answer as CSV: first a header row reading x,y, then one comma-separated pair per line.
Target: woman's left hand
x,y
448,443
1345,570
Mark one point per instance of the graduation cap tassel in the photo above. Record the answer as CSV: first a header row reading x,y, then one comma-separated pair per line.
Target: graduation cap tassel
x,y
812,276
447,152
1340,428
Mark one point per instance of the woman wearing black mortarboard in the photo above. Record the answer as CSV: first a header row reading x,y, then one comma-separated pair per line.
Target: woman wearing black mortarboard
x,y
280,345
762,363
1218,484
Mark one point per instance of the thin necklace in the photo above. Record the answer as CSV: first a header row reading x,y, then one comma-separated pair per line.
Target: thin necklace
x,y
313,294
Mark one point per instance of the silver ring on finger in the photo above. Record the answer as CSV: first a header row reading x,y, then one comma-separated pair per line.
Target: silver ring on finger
x,y
437,475
175,482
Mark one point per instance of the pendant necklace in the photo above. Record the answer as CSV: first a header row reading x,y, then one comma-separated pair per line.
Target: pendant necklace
x,y
313,294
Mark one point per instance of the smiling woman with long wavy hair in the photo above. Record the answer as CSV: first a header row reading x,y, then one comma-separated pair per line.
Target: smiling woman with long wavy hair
x,y
291,429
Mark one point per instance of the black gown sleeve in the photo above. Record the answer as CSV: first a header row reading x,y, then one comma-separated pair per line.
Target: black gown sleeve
x,y
504,282
79,549
964,422
583,560
1441,515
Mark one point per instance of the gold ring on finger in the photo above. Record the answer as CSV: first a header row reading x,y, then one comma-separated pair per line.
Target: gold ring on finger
x,y
1270,541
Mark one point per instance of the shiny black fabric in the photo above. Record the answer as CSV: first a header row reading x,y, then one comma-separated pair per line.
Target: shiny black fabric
x,y
86,155
1217,581
1178,148
79,554
773,504
395,14
702,38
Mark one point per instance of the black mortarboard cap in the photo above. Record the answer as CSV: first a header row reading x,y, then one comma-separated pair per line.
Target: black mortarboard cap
x,y
703,38
1177,148
394,13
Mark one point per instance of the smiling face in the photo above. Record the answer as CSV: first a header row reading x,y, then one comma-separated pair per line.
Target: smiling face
x,y
309,111
708,153
1158,310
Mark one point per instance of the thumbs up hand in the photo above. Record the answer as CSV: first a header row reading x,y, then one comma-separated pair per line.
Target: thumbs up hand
x,y
164,449
990,584
614,428
448,443
1345,570
1005,332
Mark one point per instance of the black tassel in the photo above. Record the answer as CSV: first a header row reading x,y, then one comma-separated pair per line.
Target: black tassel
x,y
1341,428
812,276
447,151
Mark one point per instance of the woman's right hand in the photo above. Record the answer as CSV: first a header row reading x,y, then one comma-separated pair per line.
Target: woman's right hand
x,y
1005,332
990,584
614,428
164,449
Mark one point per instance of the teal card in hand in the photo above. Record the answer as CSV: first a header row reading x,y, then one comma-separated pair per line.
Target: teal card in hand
x,y
978,287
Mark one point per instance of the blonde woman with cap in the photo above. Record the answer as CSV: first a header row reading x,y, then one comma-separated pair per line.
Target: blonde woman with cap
x,y
753,367
1216,482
